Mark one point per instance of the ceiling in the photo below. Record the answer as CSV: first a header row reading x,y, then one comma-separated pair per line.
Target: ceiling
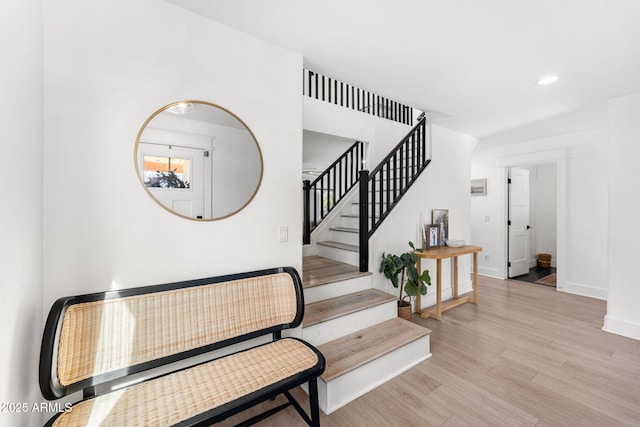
x,y
473,64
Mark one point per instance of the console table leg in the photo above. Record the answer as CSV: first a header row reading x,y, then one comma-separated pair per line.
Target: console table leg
x,y
475,278
438,289
455,277
418,297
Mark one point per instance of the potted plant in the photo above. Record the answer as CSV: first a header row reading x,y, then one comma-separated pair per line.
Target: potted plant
x,y
405,264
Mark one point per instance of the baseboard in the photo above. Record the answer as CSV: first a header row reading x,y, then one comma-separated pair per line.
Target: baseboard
x,y
621,327
490,272
584,290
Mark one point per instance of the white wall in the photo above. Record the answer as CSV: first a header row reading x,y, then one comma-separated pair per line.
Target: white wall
x,y
109,66
443,185
21,207
623,313
381,134
321,150
582,170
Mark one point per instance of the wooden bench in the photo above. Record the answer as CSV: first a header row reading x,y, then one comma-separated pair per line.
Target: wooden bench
x,y
127,350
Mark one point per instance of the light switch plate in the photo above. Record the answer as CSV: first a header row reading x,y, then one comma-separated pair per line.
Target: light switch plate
x,y
283,233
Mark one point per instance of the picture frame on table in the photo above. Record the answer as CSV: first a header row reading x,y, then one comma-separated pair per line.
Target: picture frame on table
x,y
441,217
432,236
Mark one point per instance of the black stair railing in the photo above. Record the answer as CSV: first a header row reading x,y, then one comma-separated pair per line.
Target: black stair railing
x,y
334,91
326,191
382,188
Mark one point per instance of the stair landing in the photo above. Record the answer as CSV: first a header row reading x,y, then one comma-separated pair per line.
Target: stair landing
x,y
317,270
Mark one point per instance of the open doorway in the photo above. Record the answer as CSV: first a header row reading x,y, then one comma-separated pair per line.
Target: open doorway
x,y
532,223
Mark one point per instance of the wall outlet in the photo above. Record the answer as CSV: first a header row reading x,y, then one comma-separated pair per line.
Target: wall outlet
x,y
486,218
486,257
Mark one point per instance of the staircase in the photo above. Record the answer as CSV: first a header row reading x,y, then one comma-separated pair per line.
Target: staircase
x,y
355,326
357,329
341,242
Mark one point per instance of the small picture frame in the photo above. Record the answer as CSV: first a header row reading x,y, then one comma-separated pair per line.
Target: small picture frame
x,y
432,236
441,217
479,187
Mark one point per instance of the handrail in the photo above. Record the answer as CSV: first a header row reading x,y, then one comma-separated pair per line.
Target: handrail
x,y
326,191
334,91
382,188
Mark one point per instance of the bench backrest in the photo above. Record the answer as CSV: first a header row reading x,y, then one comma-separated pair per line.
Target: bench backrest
x,y
96,338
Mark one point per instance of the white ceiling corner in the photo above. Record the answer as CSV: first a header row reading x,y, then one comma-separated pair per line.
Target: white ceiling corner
x,y
474,63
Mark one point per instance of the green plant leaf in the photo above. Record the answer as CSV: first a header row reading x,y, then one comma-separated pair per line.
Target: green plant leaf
x,y
411,289
423,289
412,274
425,277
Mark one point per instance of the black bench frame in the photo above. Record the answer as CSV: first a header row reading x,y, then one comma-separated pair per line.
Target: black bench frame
x,y
51,389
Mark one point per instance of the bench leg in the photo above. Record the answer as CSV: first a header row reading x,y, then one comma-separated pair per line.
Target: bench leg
x,y
313,401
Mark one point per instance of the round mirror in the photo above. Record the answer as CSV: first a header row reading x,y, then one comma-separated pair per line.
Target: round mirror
x,y
198,160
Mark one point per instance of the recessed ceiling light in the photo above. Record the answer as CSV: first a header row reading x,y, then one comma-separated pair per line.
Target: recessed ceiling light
x,y
547,80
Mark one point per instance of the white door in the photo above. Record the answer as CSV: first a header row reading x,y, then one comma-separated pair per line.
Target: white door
x,y
185,168
518,222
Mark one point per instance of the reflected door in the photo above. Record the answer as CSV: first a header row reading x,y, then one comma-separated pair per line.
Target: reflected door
x,y
177,177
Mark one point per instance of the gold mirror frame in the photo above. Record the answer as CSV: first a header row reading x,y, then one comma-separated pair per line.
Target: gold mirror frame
x,y
178,104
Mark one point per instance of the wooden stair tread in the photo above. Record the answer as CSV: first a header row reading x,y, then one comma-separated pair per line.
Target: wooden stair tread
x,y
354,350
345,246
333,308
345,229
317,270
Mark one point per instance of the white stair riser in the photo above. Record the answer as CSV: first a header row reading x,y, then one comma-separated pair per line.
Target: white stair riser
x,y
329,330
308,250
350,222
348,387
337,289
345,237
348,257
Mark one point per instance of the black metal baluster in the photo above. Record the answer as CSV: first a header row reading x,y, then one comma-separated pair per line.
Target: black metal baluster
x,y
388,185
314,194
306,224
381,197
316,84
353,92
364,223
414,155
373,199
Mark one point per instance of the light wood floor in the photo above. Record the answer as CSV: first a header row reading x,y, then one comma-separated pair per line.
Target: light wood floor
x,y
527,355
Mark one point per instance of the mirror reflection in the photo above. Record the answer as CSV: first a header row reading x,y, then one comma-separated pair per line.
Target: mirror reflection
x,y
198,160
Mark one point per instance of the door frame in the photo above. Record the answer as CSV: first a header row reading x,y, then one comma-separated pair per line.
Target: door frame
x,y
559,157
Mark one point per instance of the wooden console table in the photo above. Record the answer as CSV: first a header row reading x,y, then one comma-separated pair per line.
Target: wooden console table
x,y
439,254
